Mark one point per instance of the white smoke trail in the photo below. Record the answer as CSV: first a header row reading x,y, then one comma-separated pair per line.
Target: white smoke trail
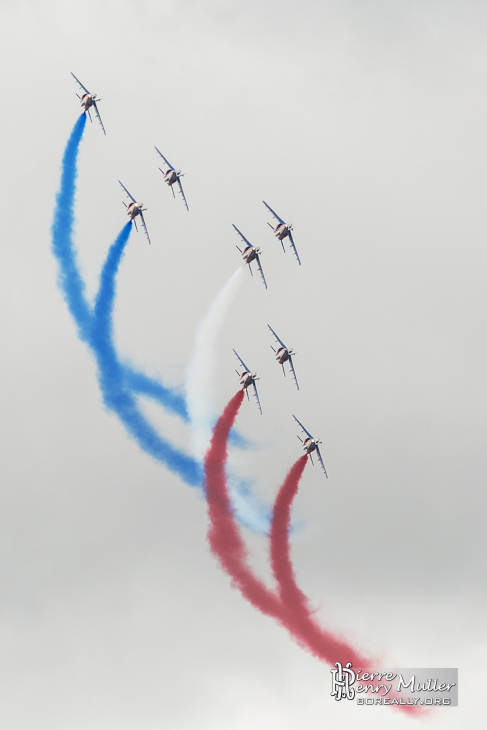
x,y
200,384
200,388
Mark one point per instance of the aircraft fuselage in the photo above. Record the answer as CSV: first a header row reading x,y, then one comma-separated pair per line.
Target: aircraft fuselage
x,y
133,210
249,254
170,177
281,231
282,355
309,445
246,379
86,101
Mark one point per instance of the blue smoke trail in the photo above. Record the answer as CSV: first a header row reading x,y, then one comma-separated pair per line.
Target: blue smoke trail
x,y
116,396
72,284
168,397
69,278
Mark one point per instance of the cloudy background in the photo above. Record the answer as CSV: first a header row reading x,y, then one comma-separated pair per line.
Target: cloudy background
x,y
364,124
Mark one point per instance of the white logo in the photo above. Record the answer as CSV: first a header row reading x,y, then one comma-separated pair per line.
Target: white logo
x,y
341,681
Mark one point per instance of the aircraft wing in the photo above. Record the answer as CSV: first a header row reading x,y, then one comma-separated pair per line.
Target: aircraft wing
x,y
293,372
274,214
300,424
242,362
257,258
79,82
130,196
318,456
166,161
98,116
277,338
242,237
256,395
142,223
293,246
182,194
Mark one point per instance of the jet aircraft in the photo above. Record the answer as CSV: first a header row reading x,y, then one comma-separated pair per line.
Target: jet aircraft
x,y
284,354
89,100
248,378
134,209
171,176
281,230
249,254
311,444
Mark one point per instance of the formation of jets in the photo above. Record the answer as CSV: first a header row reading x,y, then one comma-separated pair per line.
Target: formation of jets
x,y
247,378
250,253
171,176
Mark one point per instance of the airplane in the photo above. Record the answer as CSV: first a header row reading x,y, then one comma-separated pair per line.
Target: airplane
x,y
133,210
311,444
249,254
171,176
284,354
282,230
247,378
88,100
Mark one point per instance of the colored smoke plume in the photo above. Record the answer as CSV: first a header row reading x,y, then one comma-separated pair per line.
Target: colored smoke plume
x,y
200,372
70,281
288,604
116,396
200,388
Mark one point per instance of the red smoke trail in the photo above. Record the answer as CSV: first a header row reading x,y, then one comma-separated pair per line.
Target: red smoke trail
x,y
325,645
227,545
223,535
289,606
282,568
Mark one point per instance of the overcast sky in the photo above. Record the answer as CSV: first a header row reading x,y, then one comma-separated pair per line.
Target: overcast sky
x,y
362,123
